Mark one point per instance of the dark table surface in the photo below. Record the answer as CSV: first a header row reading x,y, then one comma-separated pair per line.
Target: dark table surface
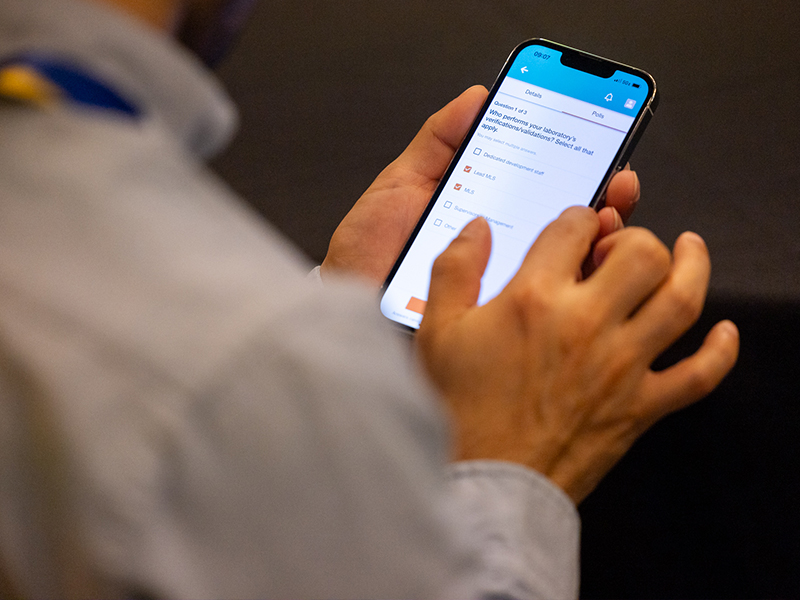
x,y
707,503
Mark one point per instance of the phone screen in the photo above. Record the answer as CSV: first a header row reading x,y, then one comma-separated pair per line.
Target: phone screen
x,y
550,136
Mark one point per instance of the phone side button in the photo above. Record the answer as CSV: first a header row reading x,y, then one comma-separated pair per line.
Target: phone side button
x,y
635,139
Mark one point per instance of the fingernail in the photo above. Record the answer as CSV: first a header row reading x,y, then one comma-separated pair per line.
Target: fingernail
x,y
729,328
617,219
637,187
696,238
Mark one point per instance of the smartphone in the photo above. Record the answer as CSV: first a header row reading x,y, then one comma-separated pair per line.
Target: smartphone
x,y
558,123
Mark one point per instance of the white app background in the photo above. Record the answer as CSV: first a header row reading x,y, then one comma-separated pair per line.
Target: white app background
x,y
535,153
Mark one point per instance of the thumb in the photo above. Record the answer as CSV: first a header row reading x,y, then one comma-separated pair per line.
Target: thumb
x,y
456,274
433,147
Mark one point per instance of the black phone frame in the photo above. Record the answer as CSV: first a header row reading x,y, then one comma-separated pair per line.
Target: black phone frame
x,y
572,58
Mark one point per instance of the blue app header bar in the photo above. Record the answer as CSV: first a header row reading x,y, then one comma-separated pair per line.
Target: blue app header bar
x,y
539,65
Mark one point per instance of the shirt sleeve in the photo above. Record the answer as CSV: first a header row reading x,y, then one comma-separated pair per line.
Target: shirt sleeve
x,y
524,530
316,466
311,461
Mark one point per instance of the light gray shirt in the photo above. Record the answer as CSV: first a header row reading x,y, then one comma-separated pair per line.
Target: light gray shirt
x,y
182,412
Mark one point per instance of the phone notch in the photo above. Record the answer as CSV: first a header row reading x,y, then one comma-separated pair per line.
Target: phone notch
x,y
588,63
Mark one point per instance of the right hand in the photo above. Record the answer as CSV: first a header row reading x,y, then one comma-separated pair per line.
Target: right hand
x,y
554,373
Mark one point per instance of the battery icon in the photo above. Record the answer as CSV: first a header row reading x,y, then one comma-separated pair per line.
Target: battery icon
x,y
635,85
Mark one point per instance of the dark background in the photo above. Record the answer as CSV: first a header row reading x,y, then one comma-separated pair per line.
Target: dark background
x,y
707,503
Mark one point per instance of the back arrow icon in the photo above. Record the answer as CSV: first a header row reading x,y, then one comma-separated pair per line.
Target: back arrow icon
x,y
524,69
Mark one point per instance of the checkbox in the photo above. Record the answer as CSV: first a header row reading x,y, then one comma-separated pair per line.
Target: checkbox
x,y
457,186
467,169
437,222
448,204
477,151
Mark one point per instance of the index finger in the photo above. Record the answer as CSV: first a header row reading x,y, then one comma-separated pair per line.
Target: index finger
x,y
563,245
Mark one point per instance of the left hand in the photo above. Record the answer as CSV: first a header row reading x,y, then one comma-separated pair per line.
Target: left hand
x,y
372,235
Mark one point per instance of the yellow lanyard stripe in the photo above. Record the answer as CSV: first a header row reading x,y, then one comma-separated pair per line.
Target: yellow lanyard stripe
x,y
23,84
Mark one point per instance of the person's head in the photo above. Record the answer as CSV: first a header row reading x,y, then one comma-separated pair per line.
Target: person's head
x,y
207,27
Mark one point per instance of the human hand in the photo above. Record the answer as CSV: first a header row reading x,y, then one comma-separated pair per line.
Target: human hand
x,y
554,373
372,235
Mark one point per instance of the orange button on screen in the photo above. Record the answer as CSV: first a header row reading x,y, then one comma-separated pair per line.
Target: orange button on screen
x,y
416,305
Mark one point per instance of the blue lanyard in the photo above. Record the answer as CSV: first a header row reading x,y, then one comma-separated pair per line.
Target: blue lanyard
x,y
38,79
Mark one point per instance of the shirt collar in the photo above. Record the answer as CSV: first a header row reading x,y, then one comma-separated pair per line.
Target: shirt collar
x,y
164,80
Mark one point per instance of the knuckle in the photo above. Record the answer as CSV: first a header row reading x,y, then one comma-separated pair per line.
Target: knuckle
x,y
685,304
584,324
650,249
700,383
433,129
543,306
531,295
533,302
